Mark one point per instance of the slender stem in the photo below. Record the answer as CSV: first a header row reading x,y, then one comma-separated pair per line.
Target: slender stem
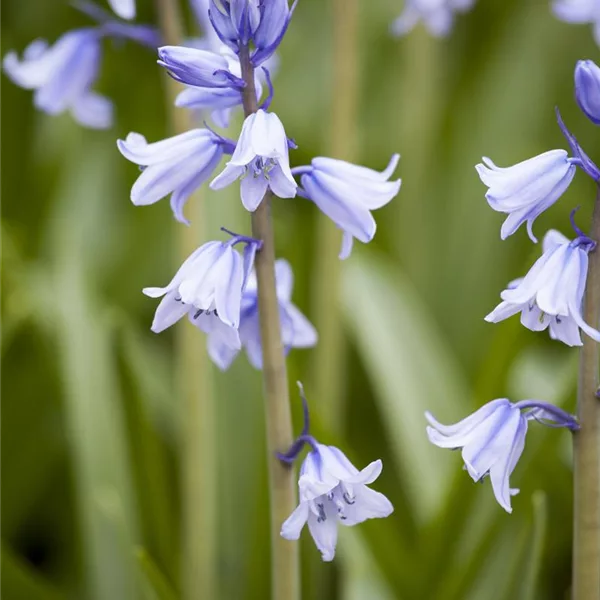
x,y
194,376
586,543
285,569
329,354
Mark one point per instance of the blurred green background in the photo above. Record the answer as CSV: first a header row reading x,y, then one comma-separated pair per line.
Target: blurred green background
x,y
91,419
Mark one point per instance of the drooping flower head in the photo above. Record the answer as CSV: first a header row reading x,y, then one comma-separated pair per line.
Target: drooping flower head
x,y
551,294
437,15
62,75
296,329
332,491
177,165
587,89
261,160
208,288
219,100
347,194
527,189
492,439
197,67
259,24
579,11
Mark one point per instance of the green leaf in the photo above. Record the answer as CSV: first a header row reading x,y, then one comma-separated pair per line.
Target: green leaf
x,y
155,585
21,582
411,370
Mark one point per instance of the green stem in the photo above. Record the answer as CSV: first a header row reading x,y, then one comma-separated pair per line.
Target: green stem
x,y
329,353
285,568
194,378
586,543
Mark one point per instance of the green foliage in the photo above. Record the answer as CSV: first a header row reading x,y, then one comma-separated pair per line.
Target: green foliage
x,y
91,432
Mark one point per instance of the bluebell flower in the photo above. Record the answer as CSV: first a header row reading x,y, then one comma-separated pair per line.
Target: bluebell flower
x,y
123,8
551,294
347,194
261,160
580,11
177,165
333,491
526,189
257,23
492,439
296,329
219,100
62,76
197,67
587,89
437,15
208,288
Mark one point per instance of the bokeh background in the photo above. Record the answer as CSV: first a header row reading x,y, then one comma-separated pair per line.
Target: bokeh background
x,y
93,424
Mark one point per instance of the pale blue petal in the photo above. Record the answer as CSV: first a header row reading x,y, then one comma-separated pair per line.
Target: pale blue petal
x,y
468,423
124,8
576,11
368,504
136,149
292,526
491,440
229,293
227,177
347,243
504,310
284,279
282,186
304,335
587,88
253,189
73,76
221,354
566,330
93,110
350,217
502,469
324,533
534,319
168,312
552,239
544,269
212,325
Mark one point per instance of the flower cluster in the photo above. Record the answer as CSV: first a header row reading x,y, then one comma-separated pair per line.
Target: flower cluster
x,y
549,296
217,287
63,74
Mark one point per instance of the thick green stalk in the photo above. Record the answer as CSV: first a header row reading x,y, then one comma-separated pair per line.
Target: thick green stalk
x,y
329,352
586,543
285,568
194,379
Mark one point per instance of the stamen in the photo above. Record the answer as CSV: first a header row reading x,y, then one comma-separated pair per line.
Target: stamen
x,y
348,499
322,516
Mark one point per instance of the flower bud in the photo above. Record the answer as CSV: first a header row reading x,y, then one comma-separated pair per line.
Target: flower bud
x,y
587,89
